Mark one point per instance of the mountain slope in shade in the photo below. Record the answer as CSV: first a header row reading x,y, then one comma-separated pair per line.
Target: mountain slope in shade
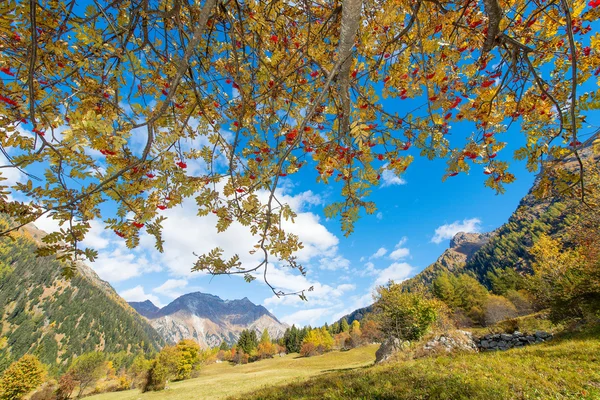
x,y
208,319
356,315
144,308
57,319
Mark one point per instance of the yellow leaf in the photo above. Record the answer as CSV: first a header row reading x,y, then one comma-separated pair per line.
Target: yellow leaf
x,y
578,7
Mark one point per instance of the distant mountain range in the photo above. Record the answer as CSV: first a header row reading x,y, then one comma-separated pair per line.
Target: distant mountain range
x,y
58,319
208,319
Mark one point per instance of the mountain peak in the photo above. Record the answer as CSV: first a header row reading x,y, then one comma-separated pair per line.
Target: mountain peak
x,y
468,243
208,319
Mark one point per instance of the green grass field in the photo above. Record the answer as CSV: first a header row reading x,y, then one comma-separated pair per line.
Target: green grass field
x,y
221,380
565,368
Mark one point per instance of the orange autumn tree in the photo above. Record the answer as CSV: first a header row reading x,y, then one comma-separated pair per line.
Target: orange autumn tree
x,y
144,103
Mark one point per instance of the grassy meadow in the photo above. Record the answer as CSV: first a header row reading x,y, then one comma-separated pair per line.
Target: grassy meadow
x,y
567,367
564,368
218,381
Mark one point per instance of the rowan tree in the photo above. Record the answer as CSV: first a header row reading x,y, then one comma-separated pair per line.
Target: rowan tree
x,y
143,103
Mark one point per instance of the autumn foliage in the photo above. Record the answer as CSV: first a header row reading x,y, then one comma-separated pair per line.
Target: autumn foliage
x,y
21,377
146,104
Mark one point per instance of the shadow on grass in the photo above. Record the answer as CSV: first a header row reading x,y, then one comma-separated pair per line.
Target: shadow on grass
x,y
347,369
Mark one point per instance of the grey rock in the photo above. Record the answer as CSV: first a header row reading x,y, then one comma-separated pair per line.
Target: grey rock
x,y
542,335
388,348
506,337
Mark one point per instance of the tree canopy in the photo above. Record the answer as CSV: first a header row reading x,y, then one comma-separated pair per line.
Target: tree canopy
x,y
144,103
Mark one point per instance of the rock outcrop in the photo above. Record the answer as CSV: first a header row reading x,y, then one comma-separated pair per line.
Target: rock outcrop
x,y
455,341
505,341
463,247
388,348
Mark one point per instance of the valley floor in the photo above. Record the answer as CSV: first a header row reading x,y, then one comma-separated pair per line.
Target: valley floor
x,y
567,367
564,368
218,381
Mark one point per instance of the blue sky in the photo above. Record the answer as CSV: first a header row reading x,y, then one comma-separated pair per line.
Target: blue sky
x,y
416,217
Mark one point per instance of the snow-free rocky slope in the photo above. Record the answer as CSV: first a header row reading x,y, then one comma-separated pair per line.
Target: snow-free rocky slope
x,y
208,319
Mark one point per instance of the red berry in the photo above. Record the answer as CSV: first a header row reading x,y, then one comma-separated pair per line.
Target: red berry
x,y
7,71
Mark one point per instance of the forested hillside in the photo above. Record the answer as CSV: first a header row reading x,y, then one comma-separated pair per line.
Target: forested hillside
x,y
507,247
43,314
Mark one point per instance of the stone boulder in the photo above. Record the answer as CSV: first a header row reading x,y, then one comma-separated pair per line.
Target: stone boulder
x,y
388,348
454,341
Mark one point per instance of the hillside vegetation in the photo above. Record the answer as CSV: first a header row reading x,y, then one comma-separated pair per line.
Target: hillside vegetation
x,y
54,319
566,368
221,380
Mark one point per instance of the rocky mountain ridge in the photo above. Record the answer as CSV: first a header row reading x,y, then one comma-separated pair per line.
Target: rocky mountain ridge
x,y
208,319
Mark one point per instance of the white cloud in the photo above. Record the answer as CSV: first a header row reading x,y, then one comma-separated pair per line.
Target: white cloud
x,y
379,253
400,252
448,231
185,234
396,272
97,237
334,263
379,215
306,317
389,178
121,264
170,288
368,270
138,294
290,282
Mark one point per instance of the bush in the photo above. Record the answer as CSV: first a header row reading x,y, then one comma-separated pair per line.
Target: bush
x,y
405,315
371,332
308,350
21,377
567,281
46,392
139,370
156,377
498,308
340,340
88,368
461,292
66,386
239,357
521,300
318,341
266,350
